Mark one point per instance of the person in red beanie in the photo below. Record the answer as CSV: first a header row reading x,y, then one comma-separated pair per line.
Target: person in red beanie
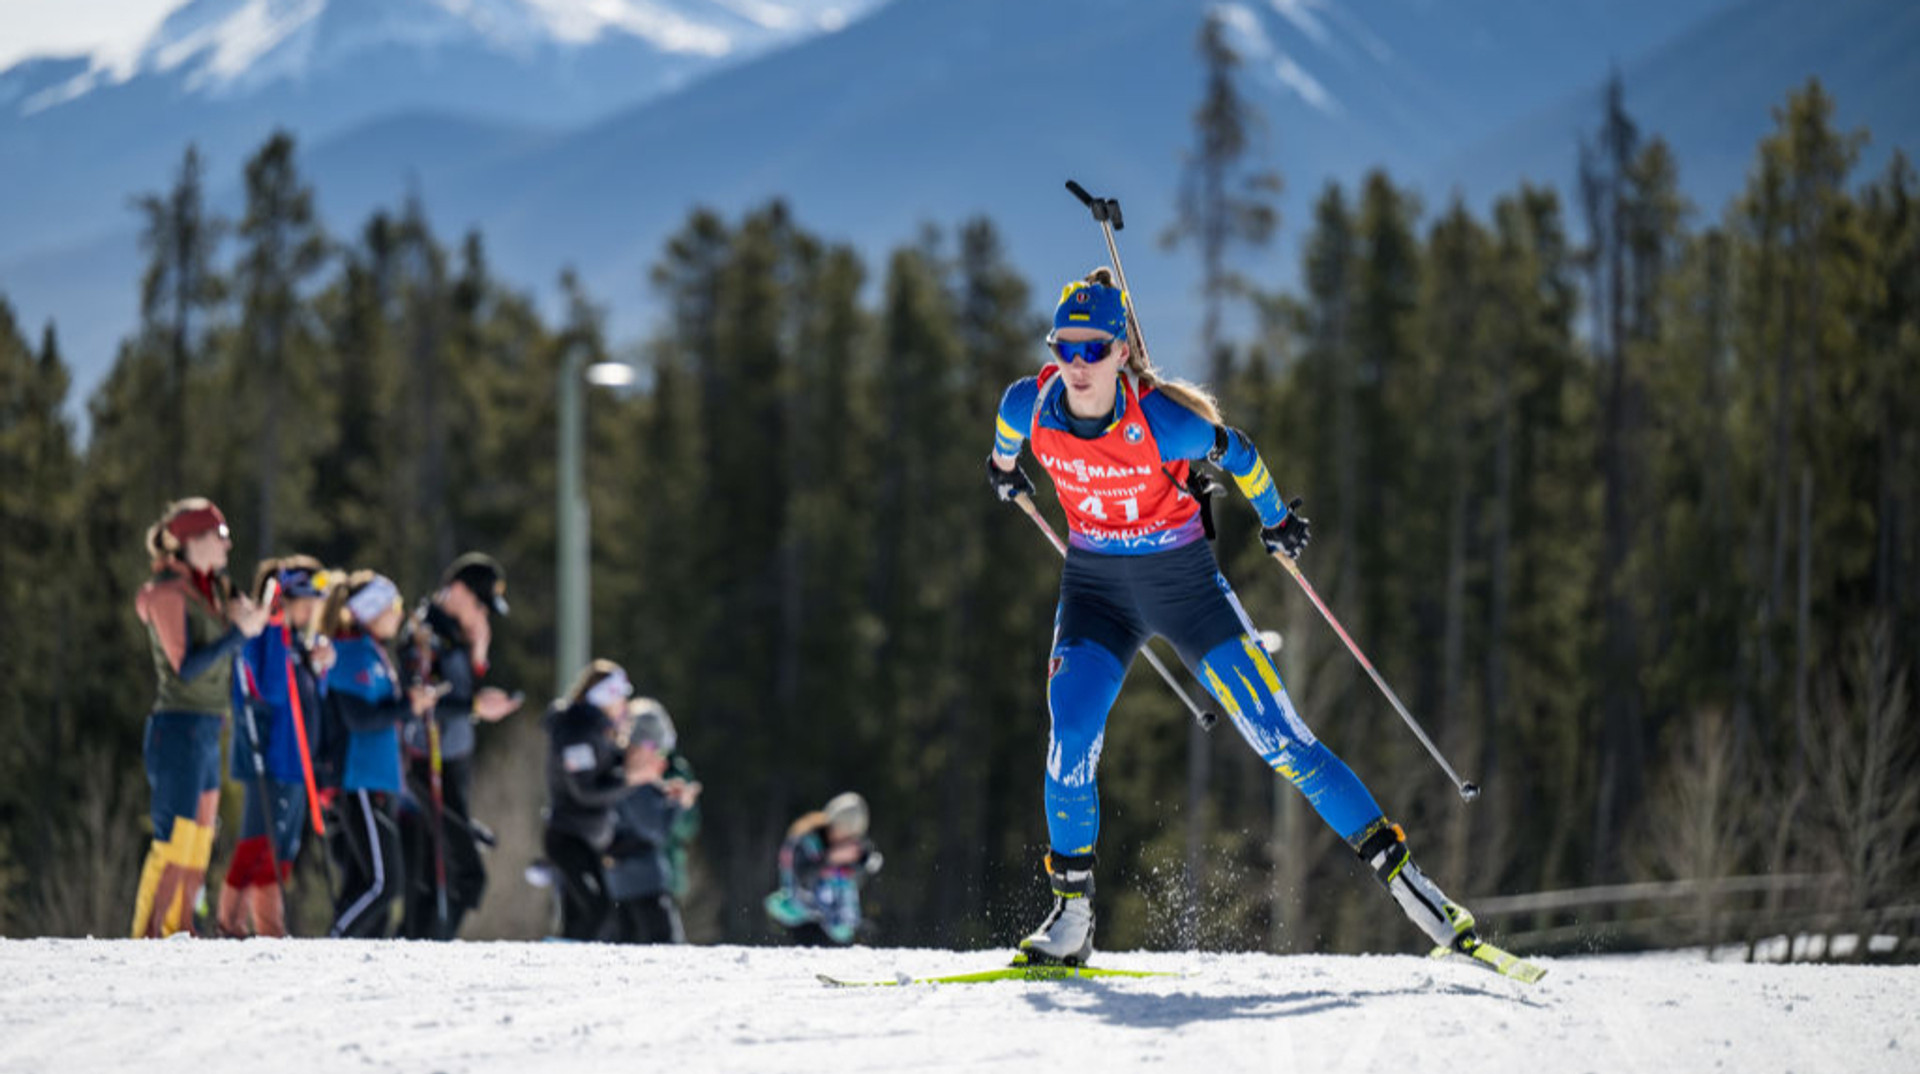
x,y
195,624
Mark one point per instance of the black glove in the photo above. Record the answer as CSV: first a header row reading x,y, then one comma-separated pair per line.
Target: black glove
x,y
1290,537
1008,484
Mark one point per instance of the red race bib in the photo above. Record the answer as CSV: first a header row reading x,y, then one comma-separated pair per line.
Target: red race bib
x,y
1116,491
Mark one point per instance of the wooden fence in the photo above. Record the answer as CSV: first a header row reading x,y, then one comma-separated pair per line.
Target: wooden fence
x,y
1802,916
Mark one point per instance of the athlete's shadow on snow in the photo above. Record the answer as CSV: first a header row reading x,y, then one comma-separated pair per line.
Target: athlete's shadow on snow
x,y
1119,1004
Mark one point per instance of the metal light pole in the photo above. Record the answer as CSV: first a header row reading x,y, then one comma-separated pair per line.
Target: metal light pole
x,y
573,523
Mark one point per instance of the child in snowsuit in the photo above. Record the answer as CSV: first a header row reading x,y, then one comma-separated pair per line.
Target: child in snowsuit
x,y
640,873
824,861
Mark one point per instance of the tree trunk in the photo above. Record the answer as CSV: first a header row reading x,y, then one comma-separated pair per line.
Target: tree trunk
x,y
1803,615
1500,583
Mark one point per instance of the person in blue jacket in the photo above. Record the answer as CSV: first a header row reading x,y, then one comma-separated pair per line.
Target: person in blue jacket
x,y
277,698
1118,440
362,616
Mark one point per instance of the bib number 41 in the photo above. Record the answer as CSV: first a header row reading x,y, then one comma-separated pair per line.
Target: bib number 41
x,y
1096,507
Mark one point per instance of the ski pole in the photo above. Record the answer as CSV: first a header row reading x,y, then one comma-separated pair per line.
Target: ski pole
x,y
423,667
306,759
1468,791
300,733
259,765
1207,717
1106,213
441,915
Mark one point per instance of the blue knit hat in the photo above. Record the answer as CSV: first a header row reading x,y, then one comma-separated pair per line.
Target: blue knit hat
x,y
1091,305
302,582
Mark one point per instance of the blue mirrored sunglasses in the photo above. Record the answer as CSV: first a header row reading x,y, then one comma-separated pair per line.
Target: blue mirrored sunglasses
x,y
1082,350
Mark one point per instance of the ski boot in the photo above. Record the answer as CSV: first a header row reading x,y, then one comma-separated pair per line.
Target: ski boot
x,y
1066,936
1383,846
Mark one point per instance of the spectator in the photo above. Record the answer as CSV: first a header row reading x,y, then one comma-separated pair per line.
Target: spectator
x,y
824,861
586,777
640,871
448,646
275,695
195,624
364,688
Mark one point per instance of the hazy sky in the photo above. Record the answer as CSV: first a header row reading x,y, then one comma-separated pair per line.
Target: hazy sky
x,y
30,27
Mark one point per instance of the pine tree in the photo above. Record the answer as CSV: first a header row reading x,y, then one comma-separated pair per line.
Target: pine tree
x,y
283,246
995,724
180,239
420,495
1792,227
1891,213
1222,200
351,470
924,487
37,507
1611,201
1388,401
1542,548
1440,531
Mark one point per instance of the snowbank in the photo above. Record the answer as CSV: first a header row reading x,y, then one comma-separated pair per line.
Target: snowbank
x,y
303,1005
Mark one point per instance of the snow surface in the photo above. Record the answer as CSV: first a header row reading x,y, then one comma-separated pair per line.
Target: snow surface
x,y
94,1005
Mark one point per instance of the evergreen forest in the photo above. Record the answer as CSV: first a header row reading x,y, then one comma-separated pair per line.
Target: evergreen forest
x,y
1620,493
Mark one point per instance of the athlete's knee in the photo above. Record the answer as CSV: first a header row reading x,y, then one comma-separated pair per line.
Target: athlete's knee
x,y
1241,676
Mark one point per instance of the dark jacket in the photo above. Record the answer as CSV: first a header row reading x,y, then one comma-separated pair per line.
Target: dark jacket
x,y
586,773
639,867
434,650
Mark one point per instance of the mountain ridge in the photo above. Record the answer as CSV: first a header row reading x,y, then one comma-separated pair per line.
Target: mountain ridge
x,y
937,110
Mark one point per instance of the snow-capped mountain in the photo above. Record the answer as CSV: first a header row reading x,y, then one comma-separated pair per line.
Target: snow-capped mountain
x,y
79,134
581,132
228,48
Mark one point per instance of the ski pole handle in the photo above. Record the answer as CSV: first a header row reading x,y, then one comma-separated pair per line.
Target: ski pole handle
x,y
1207,717
1105,210
1468,791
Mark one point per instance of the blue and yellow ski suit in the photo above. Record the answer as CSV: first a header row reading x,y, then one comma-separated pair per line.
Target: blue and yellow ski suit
x,y
1139,565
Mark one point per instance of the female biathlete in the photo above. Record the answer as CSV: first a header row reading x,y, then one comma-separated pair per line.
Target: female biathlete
x,y
1117,440
278,686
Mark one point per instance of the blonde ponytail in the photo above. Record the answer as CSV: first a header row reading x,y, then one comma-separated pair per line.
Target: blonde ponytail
x,y
1188,394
